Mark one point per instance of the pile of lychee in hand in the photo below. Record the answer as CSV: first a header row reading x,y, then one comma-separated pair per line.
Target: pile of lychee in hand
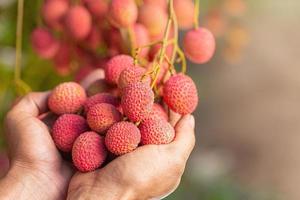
x,y
140,89
91,127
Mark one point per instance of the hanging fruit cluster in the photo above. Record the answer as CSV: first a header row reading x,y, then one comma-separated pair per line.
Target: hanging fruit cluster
x,y
136,43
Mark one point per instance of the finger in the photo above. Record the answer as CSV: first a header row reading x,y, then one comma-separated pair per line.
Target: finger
x,y
33,104
94,76
173,117
185,135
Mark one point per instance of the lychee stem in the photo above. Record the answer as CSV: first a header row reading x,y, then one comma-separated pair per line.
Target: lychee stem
x,y
175,24
131,35
19,34
196,14
165,43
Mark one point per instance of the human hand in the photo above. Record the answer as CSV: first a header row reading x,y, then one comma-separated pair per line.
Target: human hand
x,y
150,171
37,170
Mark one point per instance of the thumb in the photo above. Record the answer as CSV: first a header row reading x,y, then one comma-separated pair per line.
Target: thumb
x,y
185,135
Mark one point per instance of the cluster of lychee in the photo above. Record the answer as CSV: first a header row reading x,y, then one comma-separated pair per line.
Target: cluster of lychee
x,y
105,123
79,36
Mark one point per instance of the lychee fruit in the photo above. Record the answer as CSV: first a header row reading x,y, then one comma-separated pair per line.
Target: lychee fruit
x,y
94,39
199,45
101,117
159,112
53,12
67,98
115,66
154,18
133,75
62,59
184,11
137,101
156,131
89,152
122,138
44,43
78,22
141,39
123,13
180,94
66,129
100,98
161,3
98,8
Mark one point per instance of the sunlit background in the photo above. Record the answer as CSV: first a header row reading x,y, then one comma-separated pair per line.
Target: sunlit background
x,y
248,119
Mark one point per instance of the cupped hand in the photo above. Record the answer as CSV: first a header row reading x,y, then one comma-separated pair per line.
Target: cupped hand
x,y
151,171
37,170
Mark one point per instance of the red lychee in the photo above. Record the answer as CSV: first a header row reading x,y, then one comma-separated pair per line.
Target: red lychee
x,y
137,101
101,117
156,131
141,39
44,43
66,129
159,112
199,45
89,152
94,39
78,22
123,13
122,138
184,11
98,8
133,75
66,98
62,59
115,66
100,98
53,12
180,94
154,18
161,3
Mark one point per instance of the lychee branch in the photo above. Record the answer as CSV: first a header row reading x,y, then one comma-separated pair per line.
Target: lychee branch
x,y
196,14
19,34
164,44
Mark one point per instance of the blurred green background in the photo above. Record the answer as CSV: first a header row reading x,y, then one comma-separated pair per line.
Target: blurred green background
x,y
248,119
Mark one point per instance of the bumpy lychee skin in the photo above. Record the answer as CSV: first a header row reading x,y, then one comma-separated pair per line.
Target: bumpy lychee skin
x,y
180,94
44,43
66,98
89,152
123,13
100,98
78,22
156,131
53,11
115,66
137,101
159,112
199,45
102,116
66,129
122,138
155,23
184,11
133,75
